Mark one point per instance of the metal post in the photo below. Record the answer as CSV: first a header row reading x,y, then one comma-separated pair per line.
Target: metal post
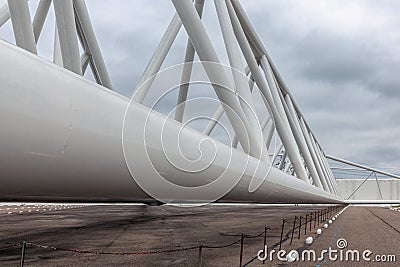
x,y
294,227
311,219
305,225
298,237
315,219
22,25
283,226
241,250
67,34
265,241
23,253
200,254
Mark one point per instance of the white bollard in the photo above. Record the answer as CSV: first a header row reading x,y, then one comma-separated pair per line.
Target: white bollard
x,y
330,221
325,225
309,240
319,231
292,256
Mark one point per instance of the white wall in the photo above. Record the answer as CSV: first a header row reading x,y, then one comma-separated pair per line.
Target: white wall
x,y
390,189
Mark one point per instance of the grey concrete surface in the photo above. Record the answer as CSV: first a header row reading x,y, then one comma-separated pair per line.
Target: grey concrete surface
x,y
131,228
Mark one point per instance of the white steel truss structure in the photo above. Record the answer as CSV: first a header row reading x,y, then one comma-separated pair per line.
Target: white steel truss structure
x,y
62,133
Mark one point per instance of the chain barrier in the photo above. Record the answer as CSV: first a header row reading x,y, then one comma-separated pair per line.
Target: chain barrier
x,y
319,216
10,246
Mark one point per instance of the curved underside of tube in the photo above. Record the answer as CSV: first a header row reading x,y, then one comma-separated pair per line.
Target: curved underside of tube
x,y
65,138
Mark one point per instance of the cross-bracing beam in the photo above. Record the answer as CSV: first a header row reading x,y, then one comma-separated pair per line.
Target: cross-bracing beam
x,y
298,152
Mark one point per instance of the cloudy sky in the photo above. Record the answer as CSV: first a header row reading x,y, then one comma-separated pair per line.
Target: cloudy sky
x,y
341,60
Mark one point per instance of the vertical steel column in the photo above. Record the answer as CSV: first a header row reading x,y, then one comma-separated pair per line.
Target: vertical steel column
x,y
216,73
22,25
67,35
4,14
187,71
93,46
157,59
40,17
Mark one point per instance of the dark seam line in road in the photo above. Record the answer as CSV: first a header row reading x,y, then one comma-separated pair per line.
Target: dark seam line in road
x,y
391,226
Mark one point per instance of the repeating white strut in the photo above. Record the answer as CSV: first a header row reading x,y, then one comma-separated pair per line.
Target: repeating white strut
x,y
67,138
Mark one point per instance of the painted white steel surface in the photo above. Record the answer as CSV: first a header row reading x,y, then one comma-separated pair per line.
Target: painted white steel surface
x,y
61,138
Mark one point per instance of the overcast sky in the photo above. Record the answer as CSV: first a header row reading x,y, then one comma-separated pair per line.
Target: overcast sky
x,y
341,60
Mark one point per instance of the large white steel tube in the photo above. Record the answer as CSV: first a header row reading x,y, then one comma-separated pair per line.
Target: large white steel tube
x,y
157,59
93,46
22,24
67,34
218,77
57,144
40,17
187,71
